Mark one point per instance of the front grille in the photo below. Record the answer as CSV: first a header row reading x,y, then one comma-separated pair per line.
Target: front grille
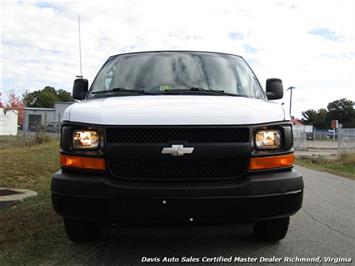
x,y
178,169
176,134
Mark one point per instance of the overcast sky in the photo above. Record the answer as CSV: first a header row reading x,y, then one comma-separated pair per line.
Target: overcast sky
x,y
308,44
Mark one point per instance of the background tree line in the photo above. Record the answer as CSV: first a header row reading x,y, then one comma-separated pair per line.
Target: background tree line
x,y
342,110
45,98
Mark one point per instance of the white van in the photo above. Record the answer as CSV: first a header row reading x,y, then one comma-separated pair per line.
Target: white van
x,y
176,137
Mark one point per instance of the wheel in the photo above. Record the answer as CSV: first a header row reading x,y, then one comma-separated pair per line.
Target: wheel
x,y
81,231
271,230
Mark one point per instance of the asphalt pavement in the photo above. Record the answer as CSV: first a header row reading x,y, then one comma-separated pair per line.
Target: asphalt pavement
x,y
324,228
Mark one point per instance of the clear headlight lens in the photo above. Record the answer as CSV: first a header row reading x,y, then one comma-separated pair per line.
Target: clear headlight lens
x,y
268,139
86,139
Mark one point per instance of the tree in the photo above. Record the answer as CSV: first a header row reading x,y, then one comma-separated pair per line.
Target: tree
x,y
64,96
315,118
2,105
309,116
14,103
343,111
46,97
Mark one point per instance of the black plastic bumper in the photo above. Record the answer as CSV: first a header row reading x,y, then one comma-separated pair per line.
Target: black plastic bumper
x,y
257,197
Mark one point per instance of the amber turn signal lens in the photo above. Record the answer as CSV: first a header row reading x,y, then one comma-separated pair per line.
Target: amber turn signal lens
x,y
259,163
82,162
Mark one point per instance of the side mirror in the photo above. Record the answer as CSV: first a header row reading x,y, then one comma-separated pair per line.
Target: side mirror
x,y
274,89
80,88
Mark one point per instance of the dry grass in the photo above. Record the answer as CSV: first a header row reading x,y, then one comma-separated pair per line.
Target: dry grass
x,y
343,166
24,140
29,167
348,158
31,233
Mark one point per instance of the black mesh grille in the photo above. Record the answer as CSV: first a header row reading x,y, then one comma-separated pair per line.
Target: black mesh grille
x,y
163,135
178,169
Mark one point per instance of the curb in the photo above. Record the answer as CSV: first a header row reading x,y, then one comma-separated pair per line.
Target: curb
x,y
20,195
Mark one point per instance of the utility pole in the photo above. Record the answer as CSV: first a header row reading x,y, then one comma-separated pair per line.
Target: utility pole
x,y
291,89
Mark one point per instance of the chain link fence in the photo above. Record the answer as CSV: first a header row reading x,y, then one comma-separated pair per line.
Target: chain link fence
x,y
40,127
300,138
346,140
50,127
341,140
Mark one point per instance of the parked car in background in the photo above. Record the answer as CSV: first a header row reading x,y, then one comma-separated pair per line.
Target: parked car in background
x,y
309,136
331,134
52,128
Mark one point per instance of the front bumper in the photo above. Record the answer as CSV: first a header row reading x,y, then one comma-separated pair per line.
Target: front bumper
x,y
99,198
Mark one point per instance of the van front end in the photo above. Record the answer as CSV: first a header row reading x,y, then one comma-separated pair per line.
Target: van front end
x,y
176,174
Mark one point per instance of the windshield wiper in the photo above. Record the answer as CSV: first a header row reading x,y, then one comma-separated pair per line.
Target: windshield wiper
x,y
122,90
197,89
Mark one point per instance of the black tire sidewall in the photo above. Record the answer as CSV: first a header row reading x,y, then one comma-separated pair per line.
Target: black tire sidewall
x,y
272,230
81,231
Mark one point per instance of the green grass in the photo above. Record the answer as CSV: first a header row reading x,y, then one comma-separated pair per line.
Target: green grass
x,y
31,233
344,166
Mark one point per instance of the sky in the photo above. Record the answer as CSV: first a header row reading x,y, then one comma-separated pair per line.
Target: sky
x,y
309,44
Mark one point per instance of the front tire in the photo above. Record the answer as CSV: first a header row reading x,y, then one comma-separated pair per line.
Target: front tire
x,y
271,230
81,231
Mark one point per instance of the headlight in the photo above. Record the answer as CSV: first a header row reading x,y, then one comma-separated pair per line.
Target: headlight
x,y
86,139
268,139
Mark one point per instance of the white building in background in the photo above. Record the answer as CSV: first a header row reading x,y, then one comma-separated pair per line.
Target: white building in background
x,y
48,118
8,122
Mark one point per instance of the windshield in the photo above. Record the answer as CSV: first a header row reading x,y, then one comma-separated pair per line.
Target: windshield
x,y
174,72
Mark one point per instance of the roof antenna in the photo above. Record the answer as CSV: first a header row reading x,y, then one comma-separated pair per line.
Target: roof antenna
x,y
81,66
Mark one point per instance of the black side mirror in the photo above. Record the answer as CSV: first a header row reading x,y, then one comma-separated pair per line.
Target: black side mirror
x,y
80,88
274,89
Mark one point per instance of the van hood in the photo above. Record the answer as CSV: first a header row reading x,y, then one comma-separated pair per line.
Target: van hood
x,y
175,110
